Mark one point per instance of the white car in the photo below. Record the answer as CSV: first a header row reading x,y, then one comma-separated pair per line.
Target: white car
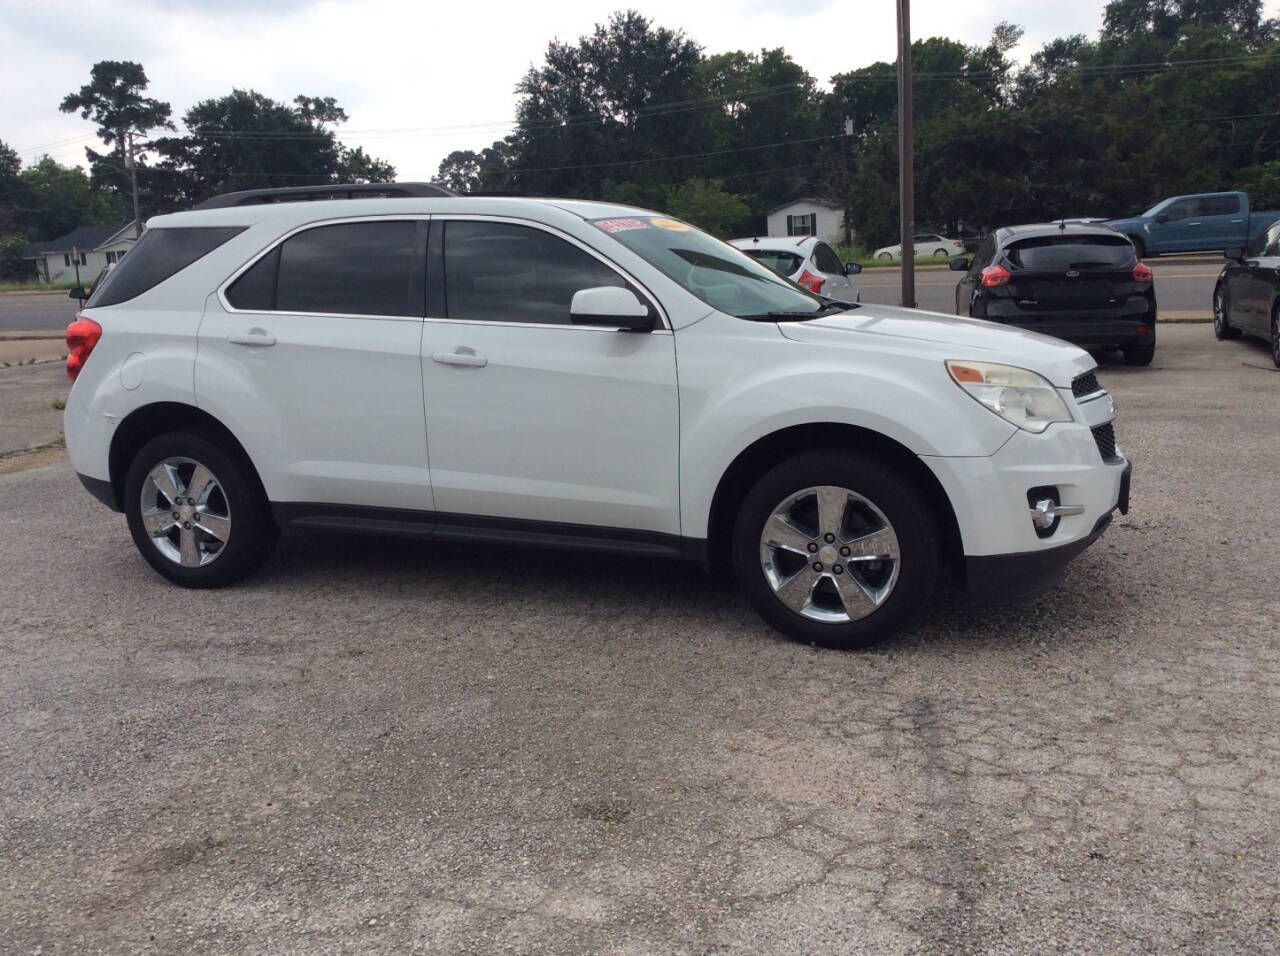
x,y
929,244
808,261
550,372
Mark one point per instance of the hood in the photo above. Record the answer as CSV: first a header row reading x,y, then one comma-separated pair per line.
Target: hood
x,y
934,335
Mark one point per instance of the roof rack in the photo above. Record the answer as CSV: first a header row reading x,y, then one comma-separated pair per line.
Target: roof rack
x,y
258,197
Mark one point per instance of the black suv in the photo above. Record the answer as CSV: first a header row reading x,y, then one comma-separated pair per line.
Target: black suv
x,y
1077,282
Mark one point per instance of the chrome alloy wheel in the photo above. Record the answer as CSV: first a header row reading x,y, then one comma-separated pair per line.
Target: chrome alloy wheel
x,y
1219,311
185,512
830,555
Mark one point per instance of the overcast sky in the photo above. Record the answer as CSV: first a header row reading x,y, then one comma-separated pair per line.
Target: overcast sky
x,y
421,79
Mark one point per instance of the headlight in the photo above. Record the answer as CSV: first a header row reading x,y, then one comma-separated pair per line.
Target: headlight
x,y
1018,396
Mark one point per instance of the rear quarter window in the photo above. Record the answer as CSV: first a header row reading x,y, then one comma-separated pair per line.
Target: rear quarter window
x,y
783,263
1060,253
157,256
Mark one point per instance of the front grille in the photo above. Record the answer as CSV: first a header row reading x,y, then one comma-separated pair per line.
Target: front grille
x,y
1105,436
1085,384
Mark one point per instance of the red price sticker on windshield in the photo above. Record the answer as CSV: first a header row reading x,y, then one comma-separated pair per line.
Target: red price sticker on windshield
x,y
620,225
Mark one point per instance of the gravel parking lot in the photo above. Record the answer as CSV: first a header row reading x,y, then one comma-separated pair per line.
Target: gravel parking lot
x,y
390,746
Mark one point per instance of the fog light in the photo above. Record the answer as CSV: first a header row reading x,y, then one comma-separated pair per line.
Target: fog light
x,y
1047,511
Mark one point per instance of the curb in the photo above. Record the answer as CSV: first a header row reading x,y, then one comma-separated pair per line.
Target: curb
x,y
31,336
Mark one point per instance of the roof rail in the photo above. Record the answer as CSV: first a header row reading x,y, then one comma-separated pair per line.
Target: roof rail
x,y
257,197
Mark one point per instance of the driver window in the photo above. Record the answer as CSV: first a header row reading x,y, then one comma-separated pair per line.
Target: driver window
x,y
982,258
499,272
1273,241
1260,245
826,260
1179,210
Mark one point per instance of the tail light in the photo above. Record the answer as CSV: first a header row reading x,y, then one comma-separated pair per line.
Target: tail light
x,y
1142,273
82,336
811,282
996,275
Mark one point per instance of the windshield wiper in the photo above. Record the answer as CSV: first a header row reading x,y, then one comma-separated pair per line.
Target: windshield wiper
x,y
830,308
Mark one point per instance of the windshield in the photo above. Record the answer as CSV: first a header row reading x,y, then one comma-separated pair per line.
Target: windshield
x,y
717,273
1059,253
783,263
1155,210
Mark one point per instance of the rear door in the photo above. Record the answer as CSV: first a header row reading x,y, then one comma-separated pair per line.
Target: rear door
x,y
310,356
1221,222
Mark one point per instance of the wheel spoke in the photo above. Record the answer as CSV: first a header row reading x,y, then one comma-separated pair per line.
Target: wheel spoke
x,y
878,545
781,533
796,592
831,506
857,598
157,522
216,525
201,483
165,477
189,549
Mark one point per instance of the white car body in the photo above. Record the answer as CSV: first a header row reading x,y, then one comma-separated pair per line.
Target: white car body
x,y
926,246
801,256
623,439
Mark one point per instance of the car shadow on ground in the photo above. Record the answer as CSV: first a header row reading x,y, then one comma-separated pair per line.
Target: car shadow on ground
x,y
580,583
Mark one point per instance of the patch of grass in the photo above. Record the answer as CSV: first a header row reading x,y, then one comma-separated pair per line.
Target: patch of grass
x,y
58,404
36,286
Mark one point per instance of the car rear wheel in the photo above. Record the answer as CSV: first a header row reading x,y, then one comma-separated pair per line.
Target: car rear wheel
x,y
195,510
1222,327
887,256
941,252
836,549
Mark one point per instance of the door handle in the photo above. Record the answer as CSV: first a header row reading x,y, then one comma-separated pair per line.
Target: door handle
x,y
1193,224
462,355
1236,221
253,337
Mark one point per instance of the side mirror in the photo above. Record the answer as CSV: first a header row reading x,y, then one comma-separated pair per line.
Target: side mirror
x,y
852,268
612,306
959,264
78,293
1162,218
1234,254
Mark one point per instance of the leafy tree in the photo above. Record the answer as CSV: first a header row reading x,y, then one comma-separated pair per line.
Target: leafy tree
x,y
705,204
113,98
10,189
12,265
56,199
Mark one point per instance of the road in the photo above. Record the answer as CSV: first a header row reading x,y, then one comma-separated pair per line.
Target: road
x,y
388,746
1181,288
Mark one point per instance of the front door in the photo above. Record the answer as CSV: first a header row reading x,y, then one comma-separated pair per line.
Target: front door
x,y
836,284
530,417
311,357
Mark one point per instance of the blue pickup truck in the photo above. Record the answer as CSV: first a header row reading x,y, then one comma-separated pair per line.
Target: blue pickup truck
x,y
1206,222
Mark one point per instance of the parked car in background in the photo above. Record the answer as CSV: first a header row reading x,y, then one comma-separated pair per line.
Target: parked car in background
x,y
1246,298
1205,222
928,244
1081,283
586,376
807,261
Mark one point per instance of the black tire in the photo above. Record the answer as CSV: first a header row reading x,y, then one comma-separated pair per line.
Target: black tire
x,y
1275,334
1222,327
908,512
251,532
1140,355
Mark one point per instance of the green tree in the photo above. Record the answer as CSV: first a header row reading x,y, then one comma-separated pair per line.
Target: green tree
x,y
56,199
113,98
705,204
10,189
12,265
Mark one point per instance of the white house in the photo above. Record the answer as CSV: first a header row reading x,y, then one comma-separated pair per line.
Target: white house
x,y
809,217
92,248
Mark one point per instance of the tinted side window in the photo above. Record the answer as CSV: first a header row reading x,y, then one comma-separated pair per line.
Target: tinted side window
x,y
826,259
498,272
1273,241
982,258
355,268
255,290
159,254
1219,205
1179,210
1258,247
783,263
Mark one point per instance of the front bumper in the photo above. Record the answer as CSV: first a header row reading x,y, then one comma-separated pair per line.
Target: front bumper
x,y
1003,578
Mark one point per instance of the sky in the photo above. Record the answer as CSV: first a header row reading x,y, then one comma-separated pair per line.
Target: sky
x,y
419,80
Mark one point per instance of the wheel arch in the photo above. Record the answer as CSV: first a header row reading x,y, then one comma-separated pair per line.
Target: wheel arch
x,y
767,451
149,421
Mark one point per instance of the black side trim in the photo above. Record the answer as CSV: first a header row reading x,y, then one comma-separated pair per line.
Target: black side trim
x,y
451,527
1006,578
101,490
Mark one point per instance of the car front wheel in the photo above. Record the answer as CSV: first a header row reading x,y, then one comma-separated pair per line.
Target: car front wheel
x,y
836,549
1222,327
1275,335
195,510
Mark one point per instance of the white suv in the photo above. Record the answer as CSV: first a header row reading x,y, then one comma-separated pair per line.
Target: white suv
x,y
575,374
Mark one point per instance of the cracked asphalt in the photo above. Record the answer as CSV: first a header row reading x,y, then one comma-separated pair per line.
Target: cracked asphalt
x,y
381,746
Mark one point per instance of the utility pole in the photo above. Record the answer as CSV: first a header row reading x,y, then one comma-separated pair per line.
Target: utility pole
x,y
132,163
906,160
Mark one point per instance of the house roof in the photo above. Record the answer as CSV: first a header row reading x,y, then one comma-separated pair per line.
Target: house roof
x,y
82,237
825,203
